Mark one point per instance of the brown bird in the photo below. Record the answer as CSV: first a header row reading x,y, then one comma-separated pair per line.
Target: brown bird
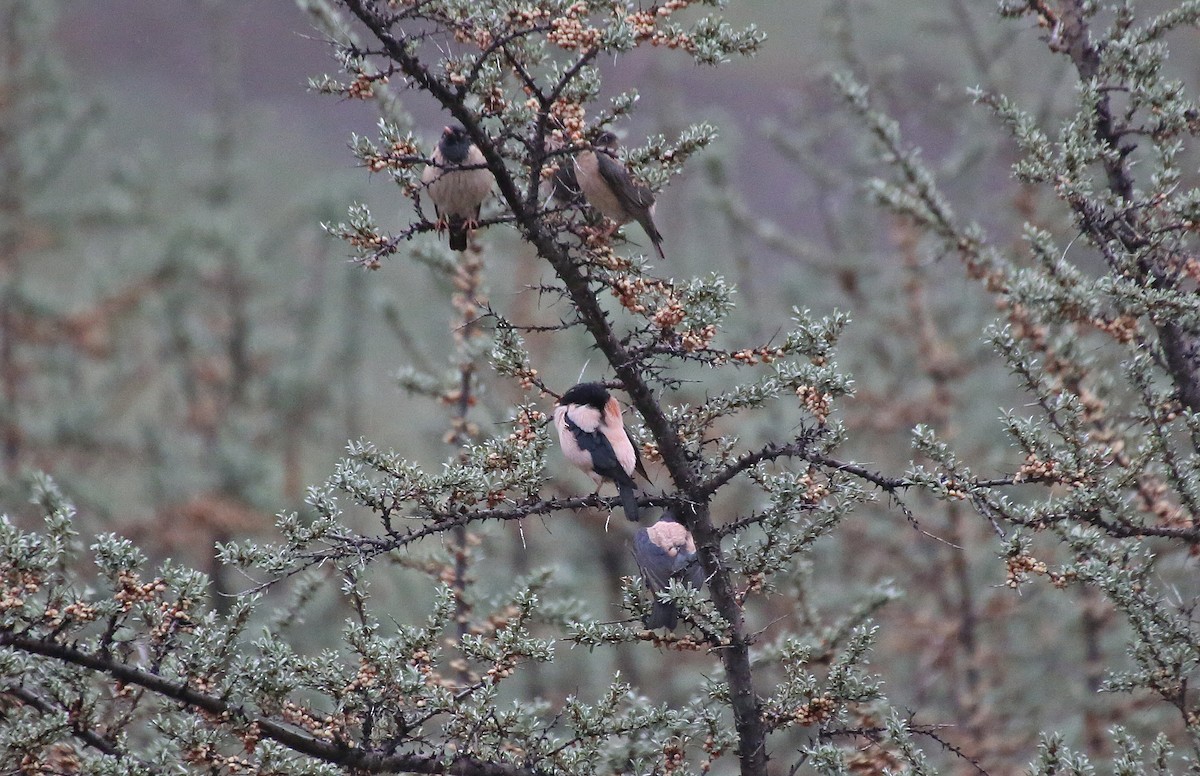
x,y
457,194
593,438
610,188
664,551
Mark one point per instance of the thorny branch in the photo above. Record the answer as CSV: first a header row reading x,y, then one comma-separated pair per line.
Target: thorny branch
x,y
366,761
1071,35
84,734
736,658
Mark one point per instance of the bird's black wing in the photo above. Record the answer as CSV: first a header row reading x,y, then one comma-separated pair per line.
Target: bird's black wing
x,y
653,561
632,195
687,568
565,184
604,458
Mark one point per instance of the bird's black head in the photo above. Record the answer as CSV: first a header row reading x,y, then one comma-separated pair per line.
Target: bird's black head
x,y
455,144
589,394
606,141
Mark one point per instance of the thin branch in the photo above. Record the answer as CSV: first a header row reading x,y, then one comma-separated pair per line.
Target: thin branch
x,y
368,761
89,737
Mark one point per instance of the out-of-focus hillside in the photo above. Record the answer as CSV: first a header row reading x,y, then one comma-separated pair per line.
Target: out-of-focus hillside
x,y
192,350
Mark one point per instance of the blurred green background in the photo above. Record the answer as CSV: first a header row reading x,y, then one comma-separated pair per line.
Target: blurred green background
x,y
185,350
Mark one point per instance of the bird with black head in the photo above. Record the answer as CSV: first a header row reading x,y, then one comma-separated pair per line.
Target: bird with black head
x,y
457,182
594,438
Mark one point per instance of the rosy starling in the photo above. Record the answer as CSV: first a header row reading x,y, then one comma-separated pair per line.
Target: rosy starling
x,y
593,438
610,188
664,551
457,194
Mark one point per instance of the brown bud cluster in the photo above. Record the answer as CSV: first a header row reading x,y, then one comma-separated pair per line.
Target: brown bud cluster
x,y
330,728
17,585
526,424
1020,566
571,115
527,17
1153,496
816,711
641,23
754,584
526,377
1035,468
816,402
1023,327
650,452
1123,328
173,617
363,86
698,339
629,291
134,591
713,750
752,356
206,755
668,315
869,760
365,240
366,677
77,611
814,489
570,33
1191,268
672,757
480,36
680,41
494,101
601,254
1093,412
671,641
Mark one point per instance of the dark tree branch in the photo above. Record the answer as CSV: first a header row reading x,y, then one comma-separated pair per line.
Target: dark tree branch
x,y
1071,35
87,736
367,761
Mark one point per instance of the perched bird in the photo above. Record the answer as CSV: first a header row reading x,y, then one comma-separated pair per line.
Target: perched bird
x,y
593,438
610,188
564,186
457,194
662,551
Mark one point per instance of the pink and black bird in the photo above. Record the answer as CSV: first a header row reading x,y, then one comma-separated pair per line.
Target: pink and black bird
x,y
593,438
665,551
609,188
457,194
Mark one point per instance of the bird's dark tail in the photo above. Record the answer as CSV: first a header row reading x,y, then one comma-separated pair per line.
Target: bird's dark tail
x,y
458,237
628,491
656,238
662,615
654,235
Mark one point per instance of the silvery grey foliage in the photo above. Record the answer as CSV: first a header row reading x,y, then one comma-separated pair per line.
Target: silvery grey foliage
x,y
110,666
